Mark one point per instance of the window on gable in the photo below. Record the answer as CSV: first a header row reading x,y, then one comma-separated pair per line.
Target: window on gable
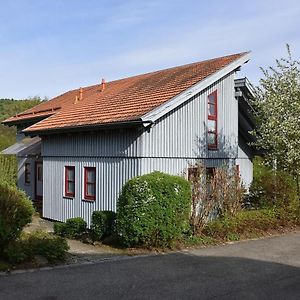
x,y
90,183
70,181
212,121
27,173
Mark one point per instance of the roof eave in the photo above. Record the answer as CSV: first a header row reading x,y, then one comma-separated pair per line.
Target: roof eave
x,y
82,128
23,121
163,109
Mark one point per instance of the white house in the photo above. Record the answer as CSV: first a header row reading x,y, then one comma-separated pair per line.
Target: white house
x,y
76,151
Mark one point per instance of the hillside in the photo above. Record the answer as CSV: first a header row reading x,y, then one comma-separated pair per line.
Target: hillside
x,y
8,108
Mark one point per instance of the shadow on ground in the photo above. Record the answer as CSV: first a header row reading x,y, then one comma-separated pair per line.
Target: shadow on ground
x,y
169,276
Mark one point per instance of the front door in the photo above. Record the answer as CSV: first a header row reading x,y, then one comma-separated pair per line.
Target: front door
x,y
38,180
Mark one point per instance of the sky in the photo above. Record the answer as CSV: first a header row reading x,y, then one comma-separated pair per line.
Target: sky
x,y
52,46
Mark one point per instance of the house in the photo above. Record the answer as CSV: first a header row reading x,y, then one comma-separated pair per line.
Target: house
x,y
76,151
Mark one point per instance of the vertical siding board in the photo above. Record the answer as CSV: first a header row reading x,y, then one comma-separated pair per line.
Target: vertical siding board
x,y
176,139
179,132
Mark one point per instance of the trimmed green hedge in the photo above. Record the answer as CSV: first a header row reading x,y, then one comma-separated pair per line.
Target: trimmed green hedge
x,y
73,228
15,212
102,224
153,210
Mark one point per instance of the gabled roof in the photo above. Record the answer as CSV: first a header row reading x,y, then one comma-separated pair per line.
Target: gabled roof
x,y
139,98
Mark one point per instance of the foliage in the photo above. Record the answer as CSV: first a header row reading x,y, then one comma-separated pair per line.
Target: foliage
x,y
102,224
8,169
73,228
153,210
252,223
8,108
15,212
219,195
52,247
59,228
271,187
277,104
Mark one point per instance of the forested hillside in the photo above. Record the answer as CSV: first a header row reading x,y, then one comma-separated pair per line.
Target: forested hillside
x,y
8,108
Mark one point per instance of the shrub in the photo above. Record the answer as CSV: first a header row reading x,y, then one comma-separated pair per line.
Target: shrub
x,y
52,247
215,195
73,228
15,212
271,187
59,228
102,224
8,168
153,210
249,223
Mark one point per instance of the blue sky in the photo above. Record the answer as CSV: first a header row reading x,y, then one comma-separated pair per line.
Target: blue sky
x,y
51,46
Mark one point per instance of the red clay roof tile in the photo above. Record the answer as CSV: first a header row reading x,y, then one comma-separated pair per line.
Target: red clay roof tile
x,y
122,100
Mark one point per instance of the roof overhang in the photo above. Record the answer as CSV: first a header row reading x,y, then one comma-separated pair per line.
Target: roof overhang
x,y
25,147
163,109
91,127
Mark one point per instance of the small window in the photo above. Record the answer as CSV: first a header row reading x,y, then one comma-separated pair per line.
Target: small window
x,y
210,172
90,183
70,181
212,121
27,173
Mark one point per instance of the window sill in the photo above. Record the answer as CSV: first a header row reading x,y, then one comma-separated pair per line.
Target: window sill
x,y
88,200
213,149
68,197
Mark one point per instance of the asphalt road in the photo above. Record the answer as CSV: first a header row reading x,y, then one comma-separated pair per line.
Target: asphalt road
x,y
262,269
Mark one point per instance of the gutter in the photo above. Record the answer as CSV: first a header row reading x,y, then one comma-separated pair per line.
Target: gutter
x,y
91,127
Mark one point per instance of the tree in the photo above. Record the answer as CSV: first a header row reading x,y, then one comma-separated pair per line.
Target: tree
x,y
277,104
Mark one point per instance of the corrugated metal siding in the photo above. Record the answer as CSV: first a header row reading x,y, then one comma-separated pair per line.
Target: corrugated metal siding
x,y
175,141
111,174
27,187
178,166
245,162
112,143
182,133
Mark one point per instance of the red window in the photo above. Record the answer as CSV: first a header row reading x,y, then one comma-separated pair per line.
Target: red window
x,y
27,173
90,183
70,181
212,121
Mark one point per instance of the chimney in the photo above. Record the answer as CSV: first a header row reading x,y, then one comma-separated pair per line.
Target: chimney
x,y
76,99
80,94
103,85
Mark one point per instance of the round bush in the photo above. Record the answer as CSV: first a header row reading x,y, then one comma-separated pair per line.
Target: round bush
x,y
102,224
73,228
15,212
153,210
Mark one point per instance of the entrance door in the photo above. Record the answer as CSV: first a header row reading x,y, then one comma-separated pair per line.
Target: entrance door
x,y
38,180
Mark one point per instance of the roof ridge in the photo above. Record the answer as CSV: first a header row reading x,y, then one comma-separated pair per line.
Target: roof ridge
x,y
157,71
180,66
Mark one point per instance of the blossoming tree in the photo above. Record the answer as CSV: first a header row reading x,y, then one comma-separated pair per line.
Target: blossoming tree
x,y
277,104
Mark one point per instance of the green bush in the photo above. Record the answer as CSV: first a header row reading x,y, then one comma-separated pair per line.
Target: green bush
x,y
250,223
52,247
8,168
102,224
59,228
271,187
15,212
73,228
153,210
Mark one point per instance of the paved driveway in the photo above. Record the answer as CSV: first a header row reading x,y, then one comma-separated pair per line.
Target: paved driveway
x,y
262,269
